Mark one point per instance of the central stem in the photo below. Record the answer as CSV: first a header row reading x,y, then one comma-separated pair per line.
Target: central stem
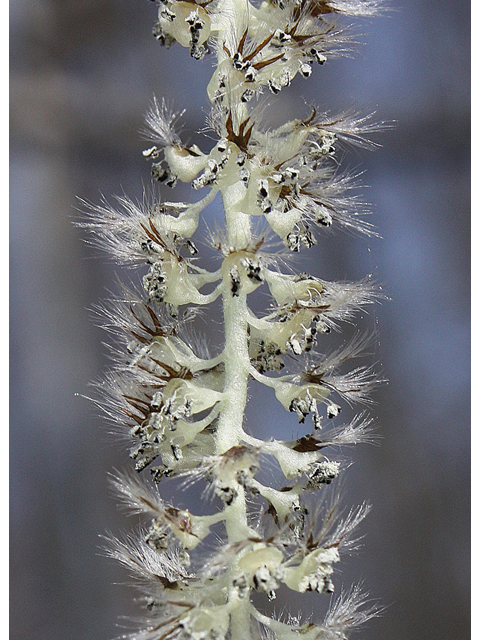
x,y
235,313
237,363
230,424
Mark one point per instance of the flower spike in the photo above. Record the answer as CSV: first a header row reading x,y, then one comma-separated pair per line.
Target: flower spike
x,y
180,408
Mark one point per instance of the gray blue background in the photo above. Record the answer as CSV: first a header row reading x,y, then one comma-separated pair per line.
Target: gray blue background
x,y
82,76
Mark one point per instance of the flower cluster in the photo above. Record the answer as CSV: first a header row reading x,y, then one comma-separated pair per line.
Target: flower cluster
x,y
181,408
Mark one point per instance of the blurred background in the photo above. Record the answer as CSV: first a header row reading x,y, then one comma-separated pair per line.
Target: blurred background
x,y
83,73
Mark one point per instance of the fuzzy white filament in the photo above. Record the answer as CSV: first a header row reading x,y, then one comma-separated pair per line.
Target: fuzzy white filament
x,y
181,409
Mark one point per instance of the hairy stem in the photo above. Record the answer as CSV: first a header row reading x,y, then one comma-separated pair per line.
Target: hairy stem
x,y
237,364
236,357
230,423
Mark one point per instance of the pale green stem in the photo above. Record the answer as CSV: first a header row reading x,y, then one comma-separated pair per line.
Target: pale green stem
x,y
269,382
205,365
235,354
237,364
230,424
